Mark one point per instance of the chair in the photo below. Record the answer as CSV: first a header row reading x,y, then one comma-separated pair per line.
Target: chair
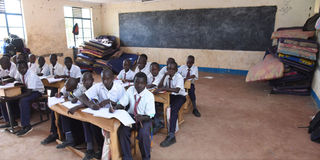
x,y
42,108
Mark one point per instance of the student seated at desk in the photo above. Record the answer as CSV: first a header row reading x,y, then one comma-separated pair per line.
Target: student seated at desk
x,y
34,89
7,73
154,76
140,105
22,57
100,95
32,63
43,68
190,72
164,69
70,70
172,82
126,74
70,92
56,69
142,65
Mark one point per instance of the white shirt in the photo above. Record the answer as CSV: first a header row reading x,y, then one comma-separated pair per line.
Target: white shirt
x,y
176,82
74,72
100,92
12,72
145,70
148,66
45,70
32,81
163,70
76,92
146,104
33,67
129,75
183,70
156,80
58,69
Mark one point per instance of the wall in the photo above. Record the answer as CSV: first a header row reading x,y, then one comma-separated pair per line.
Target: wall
x,y
45,26
290,13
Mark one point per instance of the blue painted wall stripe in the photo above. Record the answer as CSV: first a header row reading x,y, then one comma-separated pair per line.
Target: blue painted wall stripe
x,y
315,97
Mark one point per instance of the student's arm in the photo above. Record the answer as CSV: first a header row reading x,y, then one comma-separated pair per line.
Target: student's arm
x,y
8,80
74,109
85,100
161,85
25,94
124,101
151,85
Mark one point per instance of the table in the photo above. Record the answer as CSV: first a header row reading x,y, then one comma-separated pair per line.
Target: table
x,y
10,92
110,125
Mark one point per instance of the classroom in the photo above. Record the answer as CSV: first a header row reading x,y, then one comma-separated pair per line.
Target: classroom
x,y
159,79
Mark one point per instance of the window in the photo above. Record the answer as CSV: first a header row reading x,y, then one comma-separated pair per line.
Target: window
x,y
81,16
11,20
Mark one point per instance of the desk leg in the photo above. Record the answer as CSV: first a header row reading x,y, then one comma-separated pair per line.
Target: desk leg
x,y
114,143
56,115
11,129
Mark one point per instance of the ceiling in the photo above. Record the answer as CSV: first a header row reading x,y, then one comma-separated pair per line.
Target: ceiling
x,y
106,1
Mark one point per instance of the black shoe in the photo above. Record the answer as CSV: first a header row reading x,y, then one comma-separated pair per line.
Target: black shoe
x,y
24,131
49,139
7,125
89,155
168,141
65,144
196,113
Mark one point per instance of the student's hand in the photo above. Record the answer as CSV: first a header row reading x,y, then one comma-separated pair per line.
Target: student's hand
x,y
2,83
111,109
95,107
74,100
72,110
56,76
139,117
124,80
40,74
157,90
58,95
104,103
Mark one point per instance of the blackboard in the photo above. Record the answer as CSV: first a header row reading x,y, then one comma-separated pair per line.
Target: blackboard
x,y
241,28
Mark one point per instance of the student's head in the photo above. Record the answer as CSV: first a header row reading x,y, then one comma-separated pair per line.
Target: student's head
x,y
140,81
172,68
154,68
22,67
71,84
41,61
142,61
53,59
87,80
14,59
170,60
68,62
107,78
126,64
22,57
145,56
5,62
190,61
32,58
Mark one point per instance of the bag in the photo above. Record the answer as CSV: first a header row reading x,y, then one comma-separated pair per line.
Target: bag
x,y
75,29
314,128
311,22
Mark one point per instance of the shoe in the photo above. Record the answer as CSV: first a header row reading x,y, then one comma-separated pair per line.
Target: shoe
x,y
89,155
65,144
7,125
168,141
49,139
98,154
24,131
196,113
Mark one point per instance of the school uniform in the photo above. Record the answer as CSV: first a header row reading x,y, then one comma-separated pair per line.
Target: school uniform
x,y
45,70
33,82
163,70
74,72
176,99
56,70
143,104
126,75
184,70
145,70
12,71
100,92
148,66
154,79
33,67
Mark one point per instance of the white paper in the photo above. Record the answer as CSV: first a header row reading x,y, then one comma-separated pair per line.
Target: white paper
x,y
54,100
69,105
9,85
53,80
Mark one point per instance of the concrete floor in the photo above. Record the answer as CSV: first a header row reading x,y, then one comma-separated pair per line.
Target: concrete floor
x,y
239,121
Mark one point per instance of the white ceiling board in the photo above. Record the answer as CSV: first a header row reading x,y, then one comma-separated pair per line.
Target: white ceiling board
x,y
105,1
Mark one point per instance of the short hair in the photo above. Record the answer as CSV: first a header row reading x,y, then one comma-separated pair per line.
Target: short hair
x,y
155,63
141,75
53,55
24,63
41,57
127,60
175,63
191,56
105,71
68,59
144,55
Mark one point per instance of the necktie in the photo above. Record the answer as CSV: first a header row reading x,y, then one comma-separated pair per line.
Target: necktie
x,y
124,77
170,82
69,73
188,74
23,80
52,71
41,69
135,111
153,79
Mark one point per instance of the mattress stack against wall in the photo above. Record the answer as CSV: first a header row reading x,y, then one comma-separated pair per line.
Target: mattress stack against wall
x,y
101,53
293,62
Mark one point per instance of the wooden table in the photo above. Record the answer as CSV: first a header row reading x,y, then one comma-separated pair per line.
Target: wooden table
x,y
110,125
58,84
10,92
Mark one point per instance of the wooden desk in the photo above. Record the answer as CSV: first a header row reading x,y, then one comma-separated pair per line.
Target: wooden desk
x,y
58,84
10,92
110,125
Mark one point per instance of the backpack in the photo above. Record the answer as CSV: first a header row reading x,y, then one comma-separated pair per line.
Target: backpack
x,y
314,128
75,29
